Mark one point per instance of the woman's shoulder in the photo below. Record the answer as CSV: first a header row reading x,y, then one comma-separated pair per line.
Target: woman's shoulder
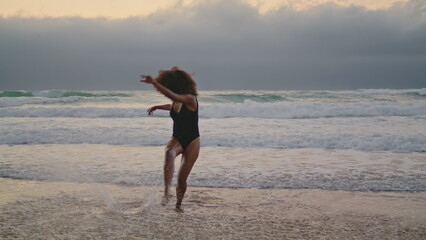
x,y
193,104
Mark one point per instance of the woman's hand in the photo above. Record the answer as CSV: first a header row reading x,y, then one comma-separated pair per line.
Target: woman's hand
x,y
151,110
147,79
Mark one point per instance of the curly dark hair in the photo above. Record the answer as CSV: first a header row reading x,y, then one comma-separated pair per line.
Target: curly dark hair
x,y
178,81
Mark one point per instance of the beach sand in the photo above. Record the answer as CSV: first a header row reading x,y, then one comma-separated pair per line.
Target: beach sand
x,y
64,210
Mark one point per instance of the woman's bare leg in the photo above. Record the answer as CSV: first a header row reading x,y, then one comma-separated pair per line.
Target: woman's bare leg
x,y
173,149
189,157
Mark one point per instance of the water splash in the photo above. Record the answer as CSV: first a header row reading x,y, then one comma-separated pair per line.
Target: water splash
x,y
107,198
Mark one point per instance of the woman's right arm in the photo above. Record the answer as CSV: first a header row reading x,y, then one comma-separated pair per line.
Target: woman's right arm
x,y
162,107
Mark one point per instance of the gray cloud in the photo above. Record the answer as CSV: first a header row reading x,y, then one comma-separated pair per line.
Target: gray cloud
x,y
227,43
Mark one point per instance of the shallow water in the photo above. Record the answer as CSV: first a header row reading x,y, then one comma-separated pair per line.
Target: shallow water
x,y
219,167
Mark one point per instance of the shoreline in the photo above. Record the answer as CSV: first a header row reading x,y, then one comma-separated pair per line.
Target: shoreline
x,y
263,168
107,211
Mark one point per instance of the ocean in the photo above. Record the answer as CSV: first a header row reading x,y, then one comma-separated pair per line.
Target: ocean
x,y
354,140
272,165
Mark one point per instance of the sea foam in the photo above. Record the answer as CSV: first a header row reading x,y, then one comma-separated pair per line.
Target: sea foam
x,y
368,119
370,134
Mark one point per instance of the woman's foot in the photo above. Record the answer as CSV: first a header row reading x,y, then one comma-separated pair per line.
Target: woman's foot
x,y
166,199
179,209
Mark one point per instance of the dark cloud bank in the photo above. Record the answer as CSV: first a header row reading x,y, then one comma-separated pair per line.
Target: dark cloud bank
x,y
227,43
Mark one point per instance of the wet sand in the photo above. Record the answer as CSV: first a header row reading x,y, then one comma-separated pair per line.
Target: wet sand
x,y
64,210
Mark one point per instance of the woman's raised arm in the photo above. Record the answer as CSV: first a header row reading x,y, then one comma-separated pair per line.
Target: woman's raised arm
x,y
186,99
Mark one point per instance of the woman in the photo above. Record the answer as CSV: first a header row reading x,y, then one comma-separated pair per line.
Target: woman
x,y
178,86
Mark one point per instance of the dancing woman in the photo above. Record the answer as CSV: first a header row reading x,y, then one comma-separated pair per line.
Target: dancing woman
x,y
178,86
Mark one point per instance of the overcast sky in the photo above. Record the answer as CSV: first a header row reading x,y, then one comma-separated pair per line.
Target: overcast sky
x,y
229,44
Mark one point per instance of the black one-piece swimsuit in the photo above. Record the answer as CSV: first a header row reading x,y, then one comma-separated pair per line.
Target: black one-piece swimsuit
x,y
185,125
